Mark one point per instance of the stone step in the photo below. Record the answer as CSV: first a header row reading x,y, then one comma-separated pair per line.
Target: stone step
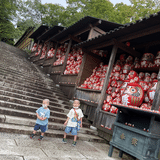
x,y
36,95
20,78
33,74
31,123
21,102
16,61
58,89
20,129
19,69
42,86
23,86
53,102
32,87
34,91
17,104
11,68
18,73
6,47
27,106
49,88
11,93
8,110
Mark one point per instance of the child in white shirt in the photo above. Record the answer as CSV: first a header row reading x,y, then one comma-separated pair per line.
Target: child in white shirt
x,y
74,119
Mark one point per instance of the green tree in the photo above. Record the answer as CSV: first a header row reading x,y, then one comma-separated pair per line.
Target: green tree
x,y
30,10
122,13
29,14
143,8
102,9
52,14
7,13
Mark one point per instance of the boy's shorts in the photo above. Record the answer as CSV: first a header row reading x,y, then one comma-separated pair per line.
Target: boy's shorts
x,y
42,128
73,130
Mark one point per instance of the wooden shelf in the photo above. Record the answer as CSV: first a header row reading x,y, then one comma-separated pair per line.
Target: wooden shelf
x,y
38,60
127,109
69,74
66,84
32,56
55,73
46,65
89,90
58,65
109,113
155,69
88,102
49,58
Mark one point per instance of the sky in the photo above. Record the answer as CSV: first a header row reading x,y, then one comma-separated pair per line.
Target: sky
x,y
63,2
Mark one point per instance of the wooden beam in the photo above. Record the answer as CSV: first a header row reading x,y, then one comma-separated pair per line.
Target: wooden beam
x,y
37,45
88,28
38,57
141,33
147,44
97,23
54,57
90,53
90,34
81,69
99,30
66,56
83,30
128,37
105,85
156,101
100,45
127,49
75,39
48,47
76,34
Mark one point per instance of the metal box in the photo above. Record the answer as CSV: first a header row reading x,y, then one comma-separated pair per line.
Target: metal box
x,y
136,132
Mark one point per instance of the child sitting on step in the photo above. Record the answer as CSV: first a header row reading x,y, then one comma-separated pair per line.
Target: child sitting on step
x,y
73,121
43,113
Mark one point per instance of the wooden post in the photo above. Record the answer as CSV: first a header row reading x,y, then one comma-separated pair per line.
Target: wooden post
x,y
81,69
48,47
40,51
37,45
66,56
31,44
50,68
156,101
105,85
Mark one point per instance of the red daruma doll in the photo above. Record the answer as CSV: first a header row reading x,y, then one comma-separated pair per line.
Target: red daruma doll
x,y
133,95
106,107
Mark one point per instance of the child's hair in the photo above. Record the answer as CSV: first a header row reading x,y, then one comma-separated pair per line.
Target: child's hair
x,y
77,101
47,100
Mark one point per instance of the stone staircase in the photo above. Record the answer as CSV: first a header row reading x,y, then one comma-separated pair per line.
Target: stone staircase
x,y
23,86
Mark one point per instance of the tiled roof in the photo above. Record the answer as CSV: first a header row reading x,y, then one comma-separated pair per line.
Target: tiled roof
x,y
82,24
144,23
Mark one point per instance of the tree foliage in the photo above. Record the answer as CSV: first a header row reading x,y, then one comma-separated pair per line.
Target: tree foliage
x,y
102,9
122,13
143,8
7,12
52,14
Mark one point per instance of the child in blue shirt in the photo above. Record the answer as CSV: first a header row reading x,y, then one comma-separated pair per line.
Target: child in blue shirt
x,y
43,113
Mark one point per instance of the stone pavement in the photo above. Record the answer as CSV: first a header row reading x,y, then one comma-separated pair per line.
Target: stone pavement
x,y
21,147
